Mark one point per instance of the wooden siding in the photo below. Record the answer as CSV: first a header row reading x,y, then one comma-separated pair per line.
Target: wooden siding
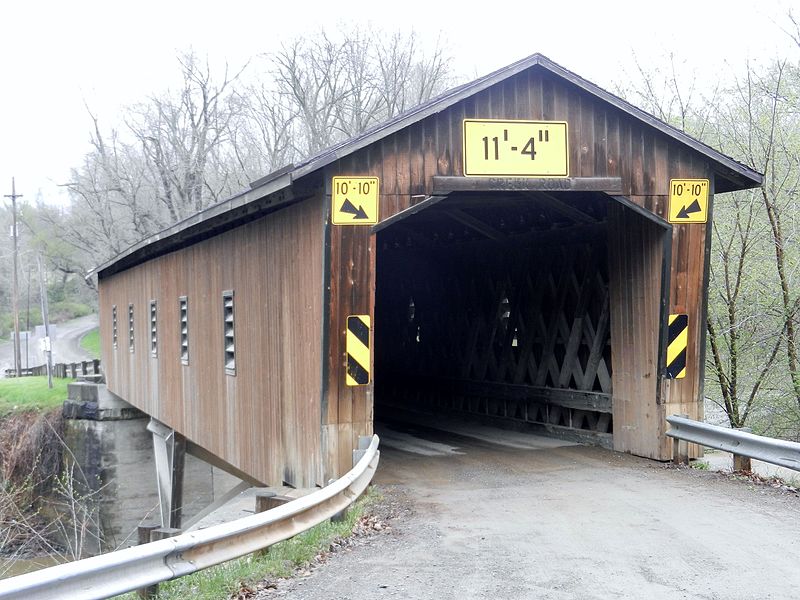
x,y
265,419
636,258
603,141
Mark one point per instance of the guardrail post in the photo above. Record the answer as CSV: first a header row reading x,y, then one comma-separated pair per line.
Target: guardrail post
x,y
342,514
680,452
743,463
144,531
680,449
363,444
264,501
162,533
156,534
269,500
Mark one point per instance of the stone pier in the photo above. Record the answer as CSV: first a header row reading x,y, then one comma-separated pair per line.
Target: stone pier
x,y
110,453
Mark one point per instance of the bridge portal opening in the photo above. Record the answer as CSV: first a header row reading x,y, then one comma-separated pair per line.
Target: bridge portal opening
x,y
496,307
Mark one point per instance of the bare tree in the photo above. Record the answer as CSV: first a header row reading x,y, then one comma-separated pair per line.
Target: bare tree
x,y
310,76
262,139
408,76
744,345
179,133
181,150
340,86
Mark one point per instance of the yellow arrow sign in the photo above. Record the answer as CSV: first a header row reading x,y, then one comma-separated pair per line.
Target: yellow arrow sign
x,y
355,200
358,352
676,346
688,200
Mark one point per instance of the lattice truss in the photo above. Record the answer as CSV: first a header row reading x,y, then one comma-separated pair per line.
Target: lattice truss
x,y
527,321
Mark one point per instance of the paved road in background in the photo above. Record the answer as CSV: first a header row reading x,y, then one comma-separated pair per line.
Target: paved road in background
x,y
530,518
66,345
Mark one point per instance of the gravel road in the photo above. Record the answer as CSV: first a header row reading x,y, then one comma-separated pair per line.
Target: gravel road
x,y
495,515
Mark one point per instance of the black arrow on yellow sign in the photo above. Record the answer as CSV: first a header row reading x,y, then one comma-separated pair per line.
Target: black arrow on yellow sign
x,y
349,208
684,212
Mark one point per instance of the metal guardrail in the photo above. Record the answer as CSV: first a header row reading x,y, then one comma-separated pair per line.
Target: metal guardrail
x,y
771,450
140,566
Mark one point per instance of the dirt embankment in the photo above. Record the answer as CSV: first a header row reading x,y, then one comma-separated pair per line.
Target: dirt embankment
x,y
30,461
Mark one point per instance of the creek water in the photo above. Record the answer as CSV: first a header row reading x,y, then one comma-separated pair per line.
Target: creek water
x,y
9,567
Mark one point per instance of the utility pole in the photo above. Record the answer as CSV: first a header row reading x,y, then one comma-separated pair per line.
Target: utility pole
x,y
28,322
48,349
15,282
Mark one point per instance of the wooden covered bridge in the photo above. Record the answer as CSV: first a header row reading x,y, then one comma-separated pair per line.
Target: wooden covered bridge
x,y
526,249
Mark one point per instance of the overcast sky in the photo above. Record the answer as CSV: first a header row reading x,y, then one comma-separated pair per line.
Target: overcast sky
x,y
55,57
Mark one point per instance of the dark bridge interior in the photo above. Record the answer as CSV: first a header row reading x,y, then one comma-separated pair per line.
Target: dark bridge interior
x,y
495,306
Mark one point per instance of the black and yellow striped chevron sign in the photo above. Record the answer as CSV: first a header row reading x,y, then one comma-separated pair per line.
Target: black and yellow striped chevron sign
x,y
358,353
676,346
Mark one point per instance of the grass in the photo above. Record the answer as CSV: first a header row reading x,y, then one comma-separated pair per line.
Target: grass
x,y
91,343
31,394
700,465
281,561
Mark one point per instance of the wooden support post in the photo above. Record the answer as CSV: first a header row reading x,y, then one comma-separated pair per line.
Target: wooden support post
x,y
151,591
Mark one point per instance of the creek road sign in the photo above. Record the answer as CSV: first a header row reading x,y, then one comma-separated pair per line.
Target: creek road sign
x,y
355,200
495,148
688,200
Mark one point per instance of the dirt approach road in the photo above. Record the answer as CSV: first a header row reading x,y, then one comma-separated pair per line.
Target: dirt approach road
x,y
531,518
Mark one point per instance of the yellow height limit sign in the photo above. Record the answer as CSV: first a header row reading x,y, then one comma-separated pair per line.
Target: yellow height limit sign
x,y
355,200
515,148
688,200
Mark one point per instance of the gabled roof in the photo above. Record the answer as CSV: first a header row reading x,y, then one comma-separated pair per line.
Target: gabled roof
x,y
738,174
731,175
